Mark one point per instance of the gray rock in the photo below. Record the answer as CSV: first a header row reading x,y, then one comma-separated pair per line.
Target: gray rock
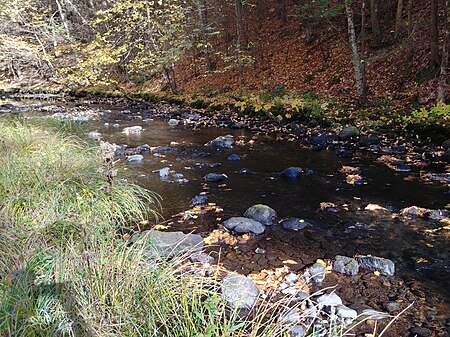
x,y
348,132
294,224
262,213
164,172
234,157
199,200
392,306
291,172
222,142
373,314
239,291
201,258
329,300
422,332
173,122
291,277
318,272
446,144
94,135
137,158
346,312
385,266
132,129
244,225
289,317
215,177
298,331
345,265
169,244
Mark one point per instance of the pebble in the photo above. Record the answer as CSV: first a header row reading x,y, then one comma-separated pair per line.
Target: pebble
x,y
346,312
329,300
291,277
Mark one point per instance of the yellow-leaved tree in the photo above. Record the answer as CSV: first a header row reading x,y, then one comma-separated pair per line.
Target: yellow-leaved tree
x,y
137,38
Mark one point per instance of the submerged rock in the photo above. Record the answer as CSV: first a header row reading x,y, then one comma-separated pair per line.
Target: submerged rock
x,y
385,266
222,142
234,157
199,200
215,177
95,135
239,291
244,225
291,172
294,224
137,158
164,172
132,129
262,213
345,265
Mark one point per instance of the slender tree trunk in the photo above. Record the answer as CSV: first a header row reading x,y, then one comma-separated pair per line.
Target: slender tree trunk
x,y
375,22
359,75
443,76
241,22
434,32
203,16
363,40
62,15
239,30
398,19
410,54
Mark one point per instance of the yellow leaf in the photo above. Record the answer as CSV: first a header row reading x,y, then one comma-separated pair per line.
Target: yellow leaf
x,y
377,273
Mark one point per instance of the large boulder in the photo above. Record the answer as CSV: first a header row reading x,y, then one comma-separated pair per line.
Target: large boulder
x,y
291,172
345,265
262,213
222,142
385,266
348,132
169,244
294,224
239,291
244,225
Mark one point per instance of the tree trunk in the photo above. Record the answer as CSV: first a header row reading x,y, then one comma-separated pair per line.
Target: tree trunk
x,y
203,16
398,19
375,22
443,76
434,38
359,75
169,74
239,32
363,39
241,22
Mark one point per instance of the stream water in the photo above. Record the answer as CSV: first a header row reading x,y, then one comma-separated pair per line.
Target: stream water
x,y
353,230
